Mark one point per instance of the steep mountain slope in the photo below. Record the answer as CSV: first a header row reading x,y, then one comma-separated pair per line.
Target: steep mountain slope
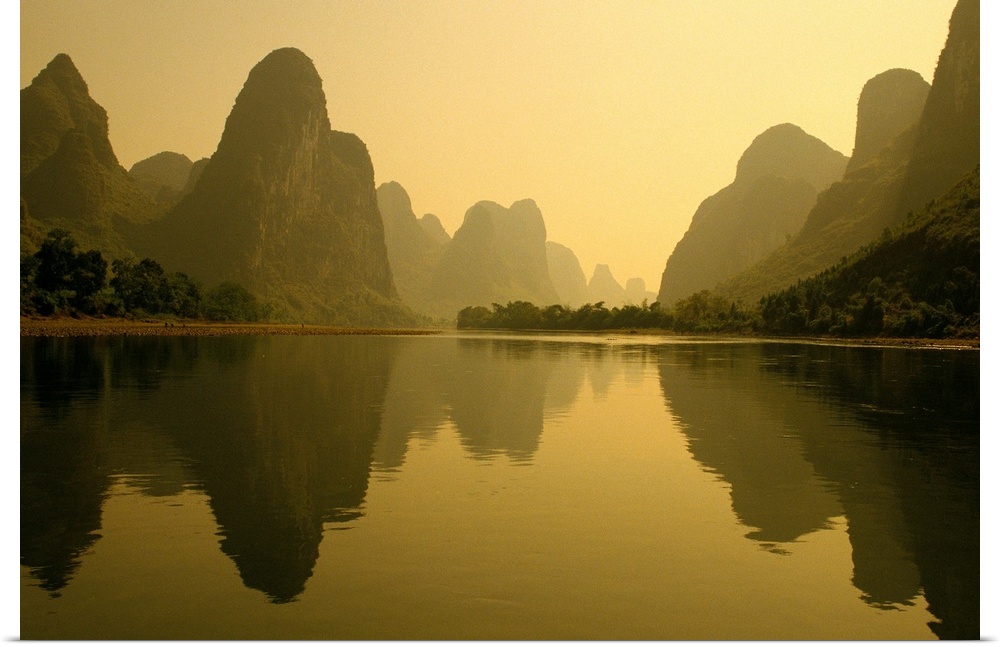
x,y
286,206
566,274
497,255
919,164
413,252
777,180
70,176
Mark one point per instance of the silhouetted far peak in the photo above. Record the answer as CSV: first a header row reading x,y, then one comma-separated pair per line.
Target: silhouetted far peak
x,y
497,255
787,151
478,220
521,223
566,274
432,225
602,272
604,287
394,203
889,103
172,168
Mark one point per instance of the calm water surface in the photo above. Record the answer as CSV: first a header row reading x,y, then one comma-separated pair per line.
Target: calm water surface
x,y
486,487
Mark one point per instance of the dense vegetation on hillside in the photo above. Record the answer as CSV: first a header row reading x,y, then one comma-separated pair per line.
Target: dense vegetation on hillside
x,y
59,280
921,280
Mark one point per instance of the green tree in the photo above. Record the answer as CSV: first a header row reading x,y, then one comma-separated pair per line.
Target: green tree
x,y
142,286
58,278
230,302
473,317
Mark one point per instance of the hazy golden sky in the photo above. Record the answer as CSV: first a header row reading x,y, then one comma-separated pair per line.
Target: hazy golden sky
x,y
617,117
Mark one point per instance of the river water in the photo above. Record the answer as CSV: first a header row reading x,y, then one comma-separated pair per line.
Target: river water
x,y
497,487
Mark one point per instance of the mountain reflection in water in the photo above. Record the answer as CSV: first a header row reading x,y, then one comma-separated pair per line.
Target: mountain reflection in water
x,y
904,471
283,435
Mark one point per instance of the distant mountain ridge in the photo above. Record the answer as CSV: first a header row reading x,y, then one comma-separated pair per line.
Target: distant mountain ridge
x,y
777,180
163,176
414,248
497,255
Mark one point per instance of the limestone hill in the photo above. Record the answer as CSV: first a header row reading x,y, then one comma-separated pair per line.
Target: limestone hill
x,y
286,207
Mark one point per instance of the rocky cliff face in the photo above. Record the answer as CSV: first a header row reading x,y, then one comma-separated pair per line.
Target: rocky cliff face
x,y
946,145
70,176
567,276
497,255
413,252
916,166
777,180
286,206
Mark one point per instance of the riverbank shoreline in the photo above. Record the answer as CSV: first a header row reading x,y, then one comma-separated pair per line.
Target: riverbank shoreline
x,y
115,327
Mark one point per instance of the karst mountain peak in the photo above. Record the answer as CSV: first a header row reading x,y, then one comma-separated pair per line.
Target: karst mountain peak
x,y
286,205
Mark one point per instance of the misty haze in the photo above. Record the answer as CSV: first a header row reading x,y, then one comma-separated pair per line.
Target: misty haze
x,y
500,320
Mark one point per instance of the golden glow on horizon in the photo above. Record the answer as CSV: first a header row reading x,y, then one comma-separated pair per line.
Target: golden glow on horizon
x,y
617,118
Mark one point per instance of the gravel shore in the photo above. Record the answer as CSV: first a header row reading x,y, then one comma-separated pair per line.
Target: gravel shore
x,y
67,327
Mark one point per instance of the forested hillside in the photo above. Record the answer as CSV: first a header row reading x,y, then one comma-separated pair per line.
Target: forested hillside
x,y
922,280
